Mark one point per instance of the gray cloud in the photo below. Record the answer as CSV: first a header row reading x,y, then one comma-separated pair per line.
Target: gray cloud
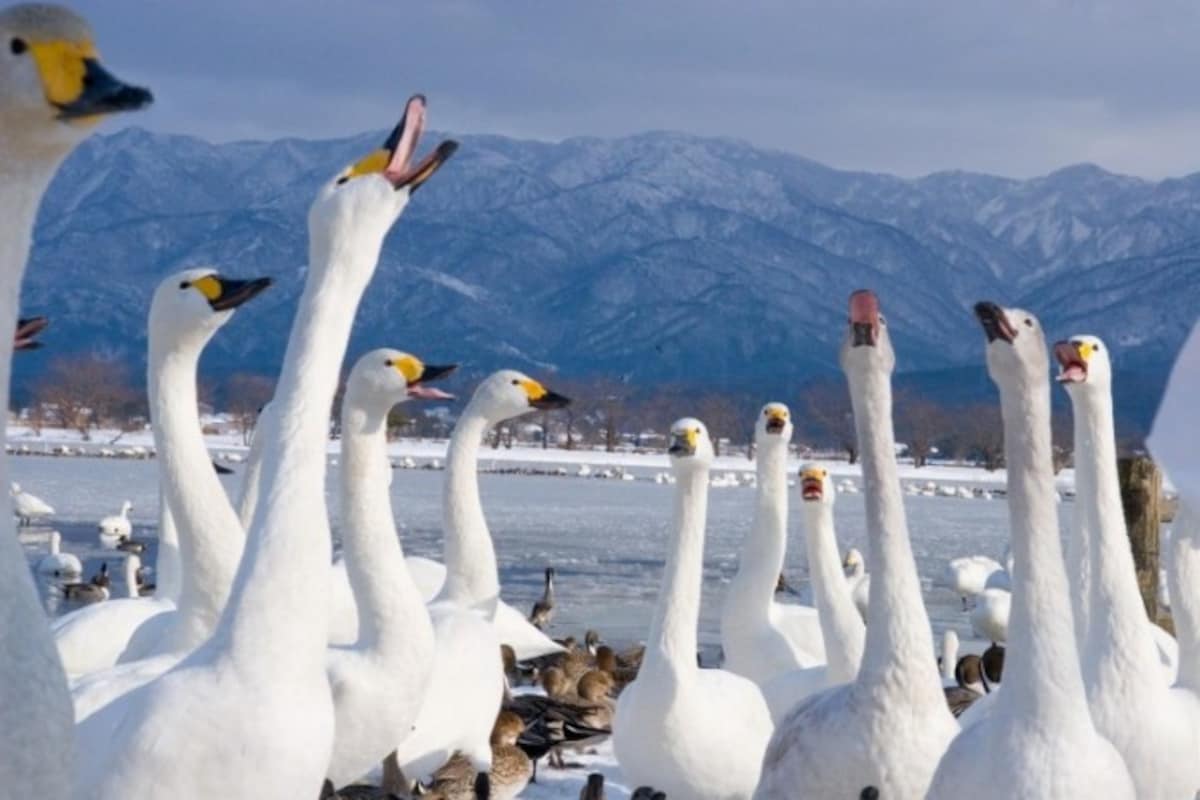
x,y
1018,87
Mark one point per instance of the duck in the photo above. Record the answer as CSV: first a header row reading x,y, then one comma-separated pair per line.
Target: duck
x,y
28,328
1154,726
763,639
968,576
92,591
116,528
56,563
27,507
890,726
510,772
268,650
858,580
543,609
1041,741
53,91
970,684
692,732
467,686
379,681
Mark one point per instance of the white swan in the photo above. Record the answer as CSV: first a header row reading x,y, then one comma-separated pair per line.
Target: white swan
x,y
989,617
186,310
28,507
948,659
1175,438
761,638
858,580
968,576
379,681
52,91
268,653
1155,727
115,528
468,676
888,728
690,732
1040,741
841,624
58,564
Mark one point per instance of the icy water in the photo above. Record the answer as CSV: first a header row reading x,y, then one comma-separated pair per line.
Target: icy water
x,y
606,538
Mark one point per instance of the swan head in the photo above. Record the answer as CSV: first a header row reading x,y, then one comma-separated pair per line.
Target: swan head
x,y
1016,348
853,560
774,425
53,88
867,344
816,486
365,199
690,443
1083,362
198,301
28,328
384,377
508,394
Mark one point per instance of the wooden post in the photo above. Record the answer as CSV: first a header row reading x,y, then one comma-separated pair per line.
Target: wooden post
x,y
1141,490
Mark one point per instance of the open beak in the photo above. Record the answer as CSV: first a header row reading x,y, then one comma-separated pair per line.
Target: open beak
x,y
811,487
864,318
394,159
100,93
1071,361
776,423
995,322
233,293
27,329
550,401
432,372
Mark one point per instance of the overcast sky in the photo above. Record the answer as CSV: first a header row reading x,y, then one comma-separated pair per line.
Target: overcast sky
x,y
1015,87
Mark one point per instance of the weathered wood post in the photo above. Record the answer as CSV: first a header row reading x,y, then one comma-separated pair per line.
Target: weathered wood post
x,y
1141,491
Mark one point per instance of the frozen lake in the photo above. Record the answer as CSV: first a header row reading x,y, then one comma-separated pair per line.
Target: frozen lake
x,y
605,538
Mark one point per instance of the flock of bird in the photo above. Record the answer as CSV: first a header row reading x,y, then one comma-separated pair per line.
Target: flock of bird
x,y
257,669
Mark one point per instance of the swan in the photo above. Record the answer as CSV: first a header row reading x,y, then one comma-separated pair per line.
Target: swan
x,y
858,580
841,625
28,507
1040,742
1155,727
691,732
968,576
268,652
989,617
1174,439
58,564
187,308
763,639
379,681
115,528
543,609
890,726
948,659
53,90
467,687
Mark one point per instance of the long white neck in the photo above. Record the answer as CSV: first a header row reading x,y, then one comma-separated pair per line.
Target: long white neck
x,y
898,639
1042,668
1119,639
168,568
949,655
212,541
391,613
472,577
252,472
841,626
671,647
752,591
276,621
131,581
1079,543
1184,578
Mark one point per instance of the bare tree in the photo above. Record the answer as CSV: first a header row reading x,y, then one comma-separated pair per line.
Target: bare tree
x,y
919,422
723,418
245,395
828,415
84,391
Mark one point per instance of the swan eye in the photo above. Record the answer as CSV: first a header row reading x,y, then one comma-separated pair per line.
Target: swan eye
x,y
516,382
184,285
1028,322
18,46
387,363
1096,348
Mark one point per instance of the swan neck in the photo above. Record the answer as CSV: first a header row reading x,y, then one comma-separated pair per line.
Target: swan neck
x,y
167,568
841,626
472,576
671,646
752,591
1080,541
1184,578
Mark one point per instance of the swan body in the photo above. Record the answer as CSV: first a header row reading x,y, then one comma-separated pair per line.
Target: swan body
x,y
763,639
268,651
379,681
467,685
690,732
1040,741
29,507
1155,727
968,576
115,528
53,90
92,638
58,564
989,617
890,726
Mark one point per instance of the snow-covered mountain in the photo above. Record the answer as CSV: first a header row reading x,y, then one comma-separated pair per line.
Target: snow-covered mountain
x,y
657,257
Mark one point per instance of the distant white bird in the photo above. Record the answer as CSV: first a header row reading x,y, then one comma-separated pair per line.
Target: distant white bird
x,y
989,618
968,575
115,528
29,507
858,580
57,563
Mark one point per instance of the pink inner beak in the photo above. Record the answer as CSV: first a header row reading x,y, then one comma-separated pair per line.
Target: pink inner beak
x,y
421,392
864,307
399,169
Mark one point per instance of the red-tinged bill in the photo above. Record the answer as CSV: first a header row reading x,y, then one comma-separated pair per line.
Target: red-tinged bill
x,y
1072,368
420,391
811,489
